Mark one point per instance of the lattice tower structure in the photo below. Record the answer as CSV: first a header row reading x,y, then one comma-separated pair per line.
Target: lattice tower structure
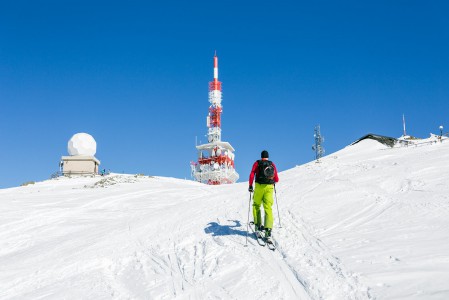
x,y
216,158
319,140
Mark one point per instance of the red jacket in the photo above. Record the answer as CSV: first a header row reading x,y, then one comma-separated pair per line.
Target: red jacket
x,y
255,170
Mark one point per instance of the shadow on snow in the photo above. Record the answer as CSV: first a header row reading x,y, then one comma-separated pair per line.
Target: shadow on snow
x,y
221,230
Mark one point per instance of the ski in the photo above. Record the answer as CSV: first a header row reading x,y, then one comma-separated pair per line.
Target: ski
x,y
262,240
270,244
259,237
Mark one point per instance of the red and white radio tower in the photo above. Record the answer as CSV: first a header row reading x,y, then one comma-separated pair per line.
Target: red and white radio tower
x,y
216,158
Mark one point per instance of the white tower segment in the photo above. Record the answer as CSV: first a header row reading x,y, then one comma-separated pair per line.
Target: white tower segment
x,y
215,159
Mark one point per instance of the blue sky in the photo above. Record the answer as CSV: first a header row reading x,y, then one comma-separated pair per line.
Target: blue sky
x,y
135,76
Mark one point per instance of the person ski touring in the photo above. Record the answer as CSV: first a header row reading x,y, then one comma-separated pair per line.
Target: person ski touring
x,y
265,173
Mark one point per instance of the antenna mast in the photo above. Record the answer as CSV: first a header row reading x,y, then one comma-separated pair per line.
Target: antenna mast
x,y
216,158
403,124
317,147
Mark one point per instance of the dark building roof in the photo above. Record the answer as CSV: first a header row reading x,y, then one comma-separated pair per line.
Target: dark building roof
x,y
386,140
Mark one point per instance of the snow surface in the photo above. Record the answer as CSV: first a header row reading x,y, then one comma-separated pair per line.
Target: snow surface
x,y
367,222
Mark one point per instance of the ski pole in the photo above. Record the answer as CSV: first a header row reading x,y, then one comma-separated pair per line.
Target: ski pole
x,y
276,197
247,224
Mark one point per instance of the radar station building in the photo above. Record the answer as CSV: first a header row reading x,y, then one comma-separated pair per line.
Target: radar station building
x,y
81,160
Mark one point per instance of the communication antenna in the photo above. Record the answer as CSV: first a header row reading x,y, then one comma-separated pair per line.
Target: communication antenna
x,y
317,147
403,124
215,163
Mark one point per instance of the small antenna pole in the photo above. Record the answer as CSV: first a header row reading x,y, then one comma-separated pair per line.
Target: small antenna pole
x,y
403,124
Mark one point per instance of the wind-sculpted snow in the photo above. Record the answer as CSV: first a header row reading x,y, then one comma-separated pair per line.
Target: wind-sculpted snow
x,y
367,222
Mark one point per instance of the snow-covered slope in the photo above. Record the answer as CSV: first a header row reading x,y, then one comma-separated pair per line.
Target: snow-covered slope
x,y
367,222
384,213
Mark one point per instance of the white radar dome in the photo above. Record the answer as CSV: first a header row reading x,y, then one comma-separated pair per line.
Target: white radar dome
x,y
82,144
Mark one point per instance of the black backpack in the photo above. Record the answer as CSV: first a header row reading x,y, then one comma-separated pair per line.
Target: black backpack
x,y
265,173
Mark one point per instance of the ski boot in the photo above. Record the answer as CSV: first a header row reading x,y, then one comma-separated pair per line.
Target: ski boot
x,y
268,238
259,229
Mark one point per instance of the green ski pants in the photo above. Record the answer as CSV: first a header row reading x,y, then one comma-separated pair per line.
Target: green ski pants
x,y
263,194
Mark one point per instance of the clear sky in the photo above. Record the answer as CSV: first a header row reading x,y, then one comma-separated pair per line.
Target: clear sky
x,y
134,75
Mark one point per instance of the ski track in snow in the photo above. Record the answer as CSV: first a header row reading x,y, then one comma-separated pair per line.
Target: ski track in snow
x,y
315,267
365,223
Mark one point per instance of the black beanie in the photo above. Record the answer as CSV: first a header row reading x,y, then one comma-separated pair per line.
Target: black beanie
x,y
264,154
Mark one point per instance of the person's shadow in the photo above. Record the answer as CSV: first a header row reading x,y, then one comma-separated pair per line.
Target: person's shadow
x,y
221,230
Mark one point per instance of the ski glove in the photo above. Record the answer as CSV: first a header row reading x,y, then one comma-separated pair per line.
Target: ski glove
x,y
250,189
